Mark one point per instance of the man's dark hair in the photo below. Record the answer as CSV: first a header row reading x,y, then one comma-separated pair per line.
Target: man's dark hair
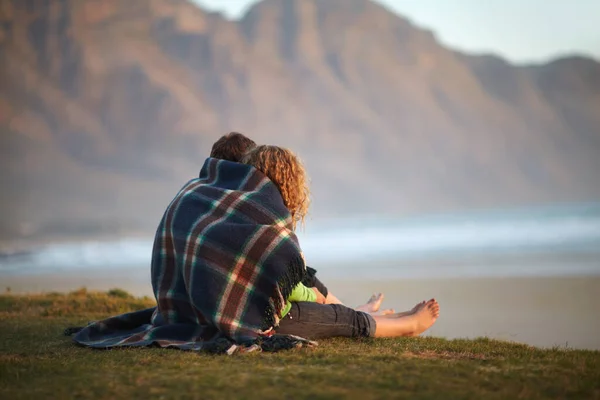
x,y
232,147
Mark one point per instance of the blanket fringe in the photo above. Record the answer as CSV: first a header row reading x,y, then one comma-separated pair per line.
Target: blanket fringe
x,y
295,273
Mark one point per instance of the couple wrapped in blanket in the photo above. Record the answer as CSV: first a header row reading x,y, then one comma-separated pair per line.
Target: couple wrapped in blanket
x,y
228,273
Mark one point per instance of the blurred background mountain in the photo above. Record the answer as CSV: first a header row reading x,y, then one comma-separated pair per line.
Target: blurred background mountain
x,y
107,107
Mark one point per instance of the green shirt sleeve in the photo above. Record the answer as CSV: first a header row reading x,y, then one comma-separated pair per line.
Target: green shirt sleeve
x,y
302,293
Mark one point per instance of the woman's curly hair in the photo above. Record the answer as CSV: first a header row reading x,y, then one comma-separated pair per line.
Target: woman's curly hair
x,y
286,171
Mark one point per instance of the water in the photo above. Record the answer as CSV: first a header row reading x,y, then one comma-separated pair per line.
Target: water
x,y
545,234
543,230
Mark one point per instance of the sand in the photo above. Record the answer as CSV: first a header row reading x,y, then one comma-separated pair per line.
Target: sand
x,y
539,311
543,312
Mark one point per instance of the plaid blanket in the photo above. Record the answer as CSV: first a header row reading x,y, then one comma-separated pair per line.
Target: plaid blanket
x,y
225,258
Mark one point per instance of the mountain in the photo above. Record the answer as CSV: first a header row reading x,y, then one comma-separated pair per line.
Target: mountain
x,y
109,106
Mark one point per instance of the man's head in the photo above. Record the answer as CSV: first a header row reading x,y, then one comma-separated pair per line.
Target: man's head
x,y
232,147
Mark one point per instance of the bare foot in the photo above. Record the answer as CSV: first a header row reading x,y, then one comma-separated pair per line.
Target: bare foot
x,y
394,314
411,323
372,305
424,316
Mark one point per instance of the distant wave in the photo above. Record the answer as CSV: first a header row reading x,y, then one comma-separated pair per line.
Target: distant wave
x,y
491,233
543,230
89,254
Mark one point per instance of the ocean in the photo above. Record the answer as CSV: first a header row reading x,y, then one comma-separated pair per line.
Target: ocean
x,y
556,240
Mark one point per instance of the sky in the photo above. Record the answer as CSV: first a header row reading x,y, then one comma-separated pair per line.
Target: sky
x,y
523,31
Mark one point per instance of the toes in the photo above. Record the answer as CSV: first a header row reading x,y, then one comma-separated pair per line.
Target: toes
x,y
432,302
433,307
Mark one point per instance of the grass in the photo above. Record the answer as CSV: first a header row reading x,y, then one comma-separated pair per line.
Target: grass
x,y
37,361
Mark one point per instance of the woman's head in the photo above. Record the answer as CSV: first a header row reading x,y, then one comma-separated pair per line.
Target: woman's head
x,y
286,171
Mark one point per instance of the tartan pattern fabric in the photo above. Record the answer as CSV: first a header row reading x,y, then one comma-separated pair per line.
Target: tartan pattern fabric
x,y
224,260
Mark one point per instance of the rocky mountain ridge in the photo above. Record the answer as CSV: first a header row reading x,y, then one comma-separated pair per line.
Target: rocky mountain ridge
x,y
108,107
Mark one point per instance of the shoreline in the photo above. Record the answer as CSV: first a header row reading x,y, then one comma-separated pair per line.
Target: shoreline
x,y
540,311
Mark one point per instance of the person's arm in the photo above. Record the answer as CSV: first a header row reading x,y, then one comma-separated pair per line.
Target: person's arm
x,y
313,281
302,293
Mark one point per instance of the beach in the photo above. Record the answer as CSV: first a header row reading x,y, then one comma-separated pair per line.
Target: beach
x,y
540,311
530,276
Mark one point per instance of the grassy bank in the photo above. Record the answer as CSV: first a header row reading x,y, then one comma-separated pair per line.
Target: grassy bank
x,y
37,361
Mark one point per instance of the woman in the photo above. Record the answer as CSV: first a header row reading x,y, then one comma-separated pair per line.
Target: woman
x,y
312,320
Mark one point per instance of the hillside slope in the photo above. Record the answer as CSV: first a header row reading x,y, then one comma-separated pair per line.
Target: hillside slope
x,y
108,107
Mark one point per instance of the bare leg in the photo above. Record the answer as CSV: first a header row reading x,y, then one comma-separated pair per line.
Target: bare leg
x,y
387,312
408,325
393,314
372,307
331,299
